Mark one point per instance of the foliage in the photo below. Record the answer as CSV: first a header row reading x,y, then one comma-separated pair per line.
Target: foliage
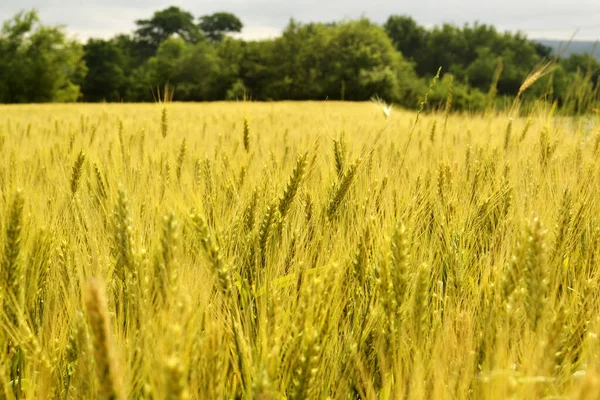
x,y
346,60
105,79
38,63
164,24
216,25
351,60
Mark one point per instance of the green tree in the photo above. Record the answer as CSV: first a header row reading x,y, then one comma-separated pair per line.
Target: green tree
x,y
105,79
408,37
353,60
163,64
217,25
38,63
256,68
470,53
131,50
231,53
196,74
164,24
190,69
582,90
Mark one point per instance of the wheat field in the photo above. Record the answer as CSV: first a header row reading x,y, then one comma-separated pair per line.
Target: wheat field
x,y
297,251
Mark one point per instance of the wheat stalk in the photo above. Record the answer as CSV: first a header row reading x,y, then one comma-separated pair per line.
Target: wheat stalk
x,y
106,366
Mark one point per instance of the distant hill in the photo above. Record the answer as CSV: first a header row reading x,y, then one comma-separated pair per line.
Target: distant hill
x,y
575,47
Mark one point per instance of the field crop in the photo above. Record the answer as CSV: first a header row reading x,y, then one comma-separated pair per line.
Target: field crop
x,y
299,251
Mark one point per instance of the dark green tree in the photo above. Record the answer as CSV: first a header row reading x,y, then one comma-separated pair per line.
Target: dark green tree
x,y
164,24
105,79
408,37
231,54
190,69
256,69
217,25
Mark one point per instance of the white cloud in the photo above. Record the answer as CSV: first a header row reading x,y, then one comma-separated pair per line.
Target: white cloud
x,y
259,32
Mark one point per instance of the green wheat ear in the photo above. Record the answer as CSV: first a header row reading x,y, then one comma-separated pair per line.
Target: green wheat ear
x,y
535,272
164,122
76,172
507,134
125,270
169,244
246,135
339,153
11,267
249,212
399,262
421,300
101,187
181,158
264,233
292,186
342,190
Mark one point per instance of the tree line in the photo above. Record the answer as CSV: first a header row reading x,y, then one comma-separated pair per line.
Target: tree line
x,y
349,60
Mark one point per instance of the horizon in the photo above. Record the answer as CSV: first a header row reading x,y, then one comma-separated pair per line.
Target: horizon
x,y
264,19
250,33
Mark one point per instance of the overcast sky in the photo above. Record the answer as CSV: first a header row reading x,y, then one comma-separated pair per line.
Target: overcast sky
x,y
551,19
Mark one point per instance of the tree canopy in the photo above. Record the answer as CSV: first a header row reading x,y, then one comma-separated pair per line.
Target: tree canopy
x,y
164,24
215,26
38,63
347,60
